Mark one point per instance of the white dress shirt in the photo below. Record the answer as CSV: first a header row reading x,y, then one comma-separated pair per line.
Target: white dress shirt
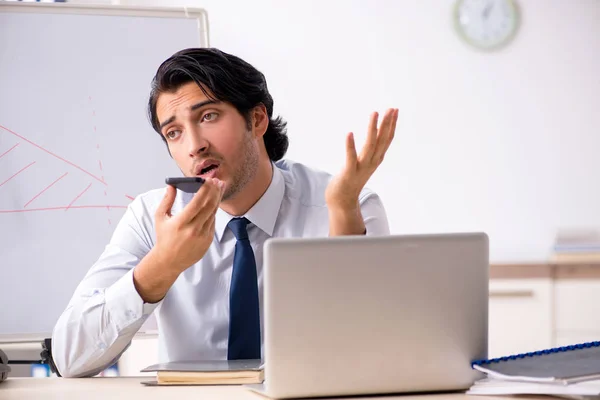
x,y
106,311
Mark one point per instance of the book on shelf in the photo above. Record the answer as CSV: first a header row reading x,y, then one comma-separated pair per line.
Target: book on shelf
x,y
576,246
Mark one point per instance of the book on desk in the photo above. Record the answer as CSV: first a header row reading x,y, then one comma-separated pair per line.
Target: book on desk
x,y
217,372
563,371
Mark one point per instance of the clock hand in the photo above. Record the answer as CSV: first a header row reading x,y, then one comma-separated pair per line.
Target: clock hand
x,y
488,9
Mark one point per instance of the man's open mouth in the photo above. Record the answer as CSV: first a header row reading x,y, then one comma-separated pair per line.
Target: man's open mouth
x,y
208,171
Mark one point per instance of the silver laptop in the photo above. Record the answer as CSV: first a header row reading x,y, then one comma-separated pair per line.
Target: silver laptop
x,y
371,315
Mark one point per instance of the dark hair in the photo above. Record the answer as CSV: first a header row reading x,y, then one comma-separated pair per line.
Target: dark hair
x,y
229,79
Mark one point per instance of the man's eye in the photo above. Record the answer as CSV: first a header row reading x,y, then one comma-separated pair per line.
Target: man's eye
x,y
173,134
210,116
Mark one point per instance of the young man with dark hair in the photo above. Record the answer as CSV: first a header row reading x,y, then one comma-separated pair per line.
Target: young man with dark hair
x,y
196,259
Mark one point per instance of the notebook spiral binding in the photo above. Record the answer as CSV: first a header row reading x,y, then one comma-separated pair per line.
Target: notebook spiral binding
x,y
538,353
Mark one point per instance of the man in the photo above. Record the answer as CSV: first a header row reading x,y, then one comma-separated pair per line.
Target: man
x,y
197,258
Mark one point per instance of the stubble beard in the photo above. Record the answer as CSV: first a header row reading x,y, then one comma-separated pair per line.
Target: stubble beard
x,y
246,169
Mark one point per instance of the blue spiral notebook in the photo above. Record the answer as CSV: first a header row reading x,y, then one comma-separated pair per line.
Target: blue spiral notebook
x,y
566,365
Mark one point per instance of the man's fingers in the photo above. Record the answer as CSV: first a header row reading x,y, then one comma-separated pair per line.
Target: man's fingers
x,y
369,147
385,135
164,208
212,202
392,131
351,157
209,188
208,227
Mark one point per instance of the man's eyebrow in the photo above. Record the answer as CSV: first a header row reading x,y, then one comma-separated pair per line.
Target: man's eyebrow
x,y
167,122
202,104
194,107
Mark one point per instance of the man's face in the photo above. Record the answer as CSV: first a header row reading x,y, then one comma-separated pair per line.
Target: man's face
x,y
207,138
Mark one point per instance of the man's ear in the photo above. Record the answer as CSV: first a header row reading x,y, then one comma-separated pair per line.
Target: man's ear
x,y
260,120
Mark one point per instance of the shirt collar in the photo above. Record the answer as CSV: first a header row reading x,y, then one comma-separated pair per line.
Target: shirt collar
x,y
263,213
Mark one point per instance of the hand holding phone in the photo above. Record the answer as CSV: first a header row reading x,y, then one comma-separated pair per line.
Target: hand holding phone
x,y
182,238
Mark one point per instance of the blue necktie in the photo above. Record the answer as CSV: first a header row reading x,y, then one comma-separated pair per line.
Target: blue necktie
x,y
244,319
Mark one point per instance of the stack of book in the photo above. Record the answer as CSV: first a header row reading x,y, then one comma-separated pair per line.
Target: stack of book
x,y
570,371
576,247
497,387
218,372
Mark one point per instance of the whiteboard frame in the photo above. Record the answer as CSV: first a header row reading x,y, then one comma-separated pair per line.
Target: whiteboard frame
x,y
199,14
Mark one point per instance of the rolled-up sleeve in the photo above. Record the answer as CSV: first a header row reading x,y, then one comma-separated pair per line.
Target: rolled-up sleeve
x,y
106,310
373,213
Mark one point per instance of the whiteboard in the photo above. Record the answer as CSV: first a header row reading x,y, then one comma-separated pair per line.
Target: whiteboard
x,y
76,145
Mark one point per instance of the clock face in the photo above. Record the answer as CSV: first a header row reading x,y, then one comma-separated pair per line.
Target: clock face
x,y
486,24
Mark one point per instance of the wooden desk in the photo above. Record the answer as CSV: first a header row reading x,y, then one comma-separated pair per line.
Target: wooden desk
x,y
131,388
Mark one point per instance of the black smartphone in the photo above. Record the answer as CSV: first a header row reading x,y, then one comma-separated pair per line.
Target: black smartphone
x,y
186,184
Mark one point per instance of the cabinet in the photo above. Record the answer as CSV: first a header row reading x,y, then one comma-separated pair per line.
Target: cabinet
x,y
577,304
520,316
536,307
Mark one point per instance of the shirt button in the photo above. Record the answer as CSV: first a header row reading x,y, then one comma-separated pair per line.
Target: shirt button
x,y
130,314
102,346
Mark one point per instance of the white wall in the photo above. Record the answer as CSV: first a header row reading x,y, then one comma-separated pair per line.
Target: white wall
x,y
505,142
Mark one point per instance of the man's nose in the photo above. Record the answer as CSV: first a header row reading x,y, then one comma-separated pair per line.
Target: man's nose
x,y
197,144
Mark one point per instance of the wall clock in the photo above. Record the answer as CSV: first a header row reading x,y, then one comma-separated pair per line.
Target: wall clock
x,y
486,24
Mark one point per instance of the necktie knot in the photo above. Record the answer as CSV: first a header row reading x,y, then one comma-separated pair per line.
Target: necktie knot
x,y
238,227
